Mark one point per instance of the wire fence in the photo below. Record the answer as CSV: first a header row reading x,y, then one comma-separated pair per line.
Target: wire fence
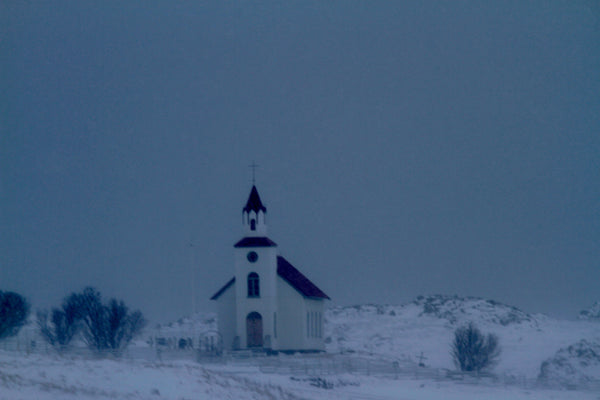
x,y
153,347
322,369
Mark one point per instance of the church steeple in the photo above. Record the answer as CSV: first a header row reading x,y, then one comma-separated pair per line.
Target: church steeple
x,y
254,215
254,202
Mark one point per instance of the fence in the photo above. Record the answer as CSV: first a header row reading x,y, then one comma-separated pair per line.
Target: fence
x,y
318,368
154,348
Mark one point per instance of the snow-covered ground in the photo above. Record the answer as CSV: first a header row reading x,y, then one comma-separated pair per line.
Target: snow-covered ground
x,y
425,328
373,352
45,377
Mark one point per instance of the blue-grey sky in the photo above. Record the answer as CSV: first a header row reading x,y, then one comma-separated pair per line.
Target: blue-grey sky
x,y
405,148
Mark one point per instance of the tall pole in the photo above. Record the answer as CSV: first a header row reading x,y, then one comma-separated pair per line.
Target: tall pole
x,y
193,266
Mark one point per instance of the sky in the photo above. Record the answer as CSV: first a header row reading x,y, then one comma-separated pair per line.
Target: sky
x,y
404,148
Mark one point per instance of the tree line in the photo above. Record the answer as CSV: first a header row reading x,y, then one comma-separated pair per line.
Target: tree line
x,y
104,327
111,327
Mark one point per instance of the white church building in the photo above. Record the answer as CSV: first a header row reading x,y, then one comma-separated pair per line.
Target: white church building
x,y
268,304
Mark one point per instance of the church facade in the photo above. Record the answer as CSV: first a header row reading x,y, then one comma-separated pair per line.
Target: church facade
x,y
268,304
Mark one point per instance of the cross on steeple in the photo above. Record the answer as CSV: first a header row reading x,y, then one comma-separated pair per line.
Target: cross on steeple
x,y
253,166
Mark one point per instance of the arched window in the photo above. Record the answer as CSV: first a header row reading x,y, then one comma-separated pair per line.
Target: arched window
x,y
252,224
253,285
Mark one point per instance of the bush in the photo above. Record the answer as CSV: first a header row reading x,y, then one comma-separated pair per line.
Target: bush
x,y
472,351
94,319
108,327
14,311
63,324
122,325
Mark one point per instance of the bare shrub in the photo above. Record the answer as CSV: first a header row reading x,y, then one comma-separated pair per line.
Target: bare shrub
x,y
109,327
14,311
61,326
472,351
122,325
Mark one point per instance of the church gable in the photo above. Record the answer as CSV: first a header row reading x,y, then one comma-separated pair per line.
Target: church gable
x,y
298,281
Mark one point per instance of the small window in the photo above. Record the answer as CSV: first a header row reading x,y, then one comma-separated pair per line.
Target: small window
x,y
252,256
307,324
252,224
320,325
253,285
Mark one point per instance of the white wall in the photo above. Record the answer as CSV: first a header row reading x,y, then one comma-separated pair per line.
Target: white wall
x,y
266,304
226,310
290,328
295,330
313,324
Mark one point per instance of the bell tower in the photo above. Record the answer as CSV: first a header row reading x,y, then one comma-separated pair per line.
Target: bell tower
x,y
253,215
255,258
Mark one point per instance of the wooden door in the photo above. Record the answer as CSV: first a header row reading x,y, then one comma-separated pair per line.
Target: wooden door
x,y
254,330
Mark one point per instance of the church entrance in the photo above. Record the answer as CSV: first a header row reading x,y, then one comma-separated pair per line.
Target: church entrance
x,y
254,330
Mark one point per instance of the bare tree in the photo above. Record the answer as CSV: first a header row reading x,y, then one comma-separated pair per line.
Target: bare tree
x,y
14,311
94,319
472,351
61,326
122,325
108,327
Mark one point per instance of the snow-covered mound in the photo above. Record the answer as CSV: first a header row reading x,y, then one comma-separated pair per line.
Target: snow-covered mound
x,y
578,364
422,332
191,325
592,314
386,328
457,309
187,332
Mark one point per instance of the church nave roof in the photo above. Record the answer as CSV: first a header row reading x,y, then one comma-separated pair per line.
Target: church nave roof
x,y
298,281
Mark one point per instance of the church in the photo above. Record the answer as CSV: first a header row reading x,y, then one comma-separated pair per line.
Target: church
x,y
268,304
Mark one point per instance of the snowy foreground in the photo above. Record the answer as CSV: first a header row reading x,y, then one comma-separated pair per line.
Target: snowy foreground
x,y
374,352
45,377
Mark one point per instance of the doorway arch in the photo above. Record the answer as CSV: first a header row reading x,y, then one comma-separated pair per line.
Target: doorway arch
x,y
254,330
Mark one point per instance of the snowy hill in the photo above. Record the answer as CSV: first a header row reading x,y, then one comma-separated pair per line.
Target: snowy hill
x,y
593,313
576,365
466,309
422,331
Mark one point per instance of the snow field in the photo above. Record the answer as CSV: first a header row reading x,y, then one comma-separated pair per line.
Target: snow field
x,y
44,377
373,352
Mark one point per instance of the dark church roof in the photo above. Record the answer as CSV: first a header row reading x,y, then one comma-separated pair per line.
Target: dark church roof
x,y
292,276
254,202
298,281
255,241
